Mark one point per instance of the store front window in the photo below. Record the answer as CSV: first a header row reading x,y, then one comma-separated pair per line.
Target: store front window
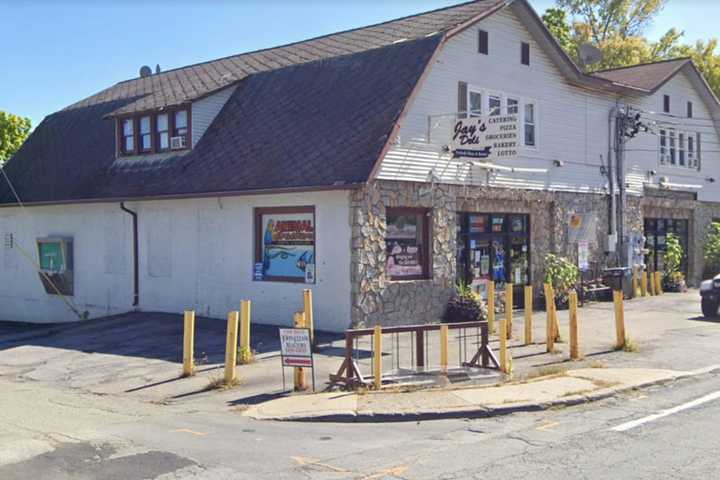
x,y
656,231
493,247
408,243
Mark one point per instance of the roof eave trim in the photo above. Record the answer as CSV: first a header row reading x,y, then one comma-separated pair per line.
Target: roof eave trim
x,y
469,23
181,196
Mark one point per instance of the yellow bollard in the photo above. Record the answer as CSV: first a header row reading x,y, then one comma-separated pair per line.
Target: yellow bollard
x,y
643,284
619,319
550,328
377,361
651,283
309,316
528,315
245,351
574,334
658,283
491,307
444,348
231,348
299,372
189,344
509,308
503,347
556,321
635,287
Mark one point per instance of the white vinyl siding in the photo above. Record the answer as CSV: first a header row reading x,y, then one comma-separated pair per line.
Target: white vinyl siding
x,y
205,110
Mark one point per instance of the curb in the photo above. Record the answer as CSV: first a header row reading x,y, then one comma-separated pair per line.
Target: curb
x,y
486,412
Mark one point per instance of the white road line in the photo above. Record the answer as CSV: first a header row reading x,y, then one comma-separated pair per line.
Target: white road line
x,y
640,421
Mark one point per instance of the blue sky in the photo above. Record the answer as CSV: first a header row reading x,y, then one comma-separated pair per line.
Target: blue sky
x,y
58,52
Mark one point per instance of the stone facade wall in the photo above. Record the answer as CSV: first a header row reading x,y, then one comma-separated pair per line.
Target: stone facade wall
x,y
377,300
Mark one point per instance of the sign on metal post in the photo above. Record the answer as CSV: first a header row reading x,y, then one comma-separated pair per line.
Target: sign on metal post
x,y
296,350
490,137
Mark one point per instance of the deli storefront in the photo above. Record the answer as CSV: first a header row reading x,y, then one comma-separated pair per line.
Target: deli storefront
x,y
494,247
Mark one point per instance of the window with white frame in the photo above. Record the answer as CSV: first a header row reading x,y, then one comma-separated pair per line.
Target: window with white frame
x,y
475,100
512,106
664,157
671,135
679,149
530,124
494,105
691,159
480,100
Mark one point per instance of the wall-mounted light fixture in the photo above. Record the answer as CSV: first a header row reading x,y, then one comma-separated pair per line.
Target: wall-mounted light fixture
x,y
558,163
710,179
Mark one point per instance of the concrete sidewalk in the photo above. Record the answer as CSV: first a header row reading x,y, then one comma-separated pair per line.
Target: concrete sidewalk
x,y
563,389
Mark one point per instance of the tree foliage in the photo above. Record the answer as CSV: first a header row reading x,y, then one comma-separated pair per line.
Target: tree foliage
x,y
617,27
13,132
711,250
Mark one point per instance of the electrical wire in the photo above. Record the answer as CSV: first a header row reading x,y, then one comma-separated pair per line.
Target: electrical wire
x,y
29,257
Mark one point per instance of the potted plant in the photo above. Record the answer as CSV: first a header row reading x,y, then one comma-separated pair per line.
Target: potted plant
x,y
562,274
673,279
465,306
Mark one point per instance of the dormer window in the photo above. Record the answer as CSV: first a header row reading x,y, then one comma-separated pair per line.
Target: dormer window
x,y
153,133
128,136
162,129
145,134
180,124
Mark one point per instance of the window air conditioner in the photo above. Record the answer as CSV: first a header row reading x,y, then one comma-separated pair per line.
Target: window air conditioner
x,y
178,143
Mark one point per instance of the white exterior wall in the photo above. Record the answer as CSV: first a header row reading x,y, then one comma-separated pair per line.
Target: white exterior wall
x,y
643,151
572,127
205,110
194,254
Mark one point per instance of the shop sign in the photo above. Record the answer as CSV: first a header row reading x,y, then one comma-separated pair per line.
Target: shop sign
x,y
486,138
583,255
295,348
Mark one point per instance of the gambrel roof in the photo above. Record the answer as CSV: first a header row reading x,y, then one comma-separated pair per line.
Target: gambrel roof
x,y
316,114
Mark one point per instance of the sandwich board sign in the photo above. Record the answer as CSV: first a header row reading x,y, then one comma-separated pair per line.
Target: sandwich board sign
x,y
296,350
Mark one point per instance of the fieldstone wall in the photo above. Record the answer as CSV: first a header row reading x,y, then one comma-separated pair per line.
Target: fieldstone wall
x,y
377,300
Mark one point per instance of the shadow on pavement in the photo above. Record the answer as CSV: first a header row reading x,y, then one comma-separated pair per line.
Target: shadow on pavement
x,y
148,335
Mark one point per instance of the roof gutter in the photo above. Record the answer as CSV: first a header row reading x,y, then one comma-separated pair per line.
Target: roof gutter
x,y
181,196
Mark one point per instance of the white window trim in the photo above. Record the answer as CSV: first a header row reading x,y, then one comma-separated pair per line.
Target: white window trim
x,y
522,101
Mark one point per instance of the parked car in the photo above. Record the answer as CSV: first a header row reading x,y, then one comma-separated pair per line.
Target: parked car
x,y
710,296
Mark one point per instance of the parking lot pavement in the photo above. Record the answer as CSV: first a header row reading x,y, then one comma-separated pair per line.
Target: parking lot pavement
x,y
139,355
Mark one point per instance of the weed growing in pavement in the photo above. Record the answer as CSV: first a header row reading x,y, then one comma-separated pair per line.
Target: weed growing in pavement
x,y
596,364
218,383
631,346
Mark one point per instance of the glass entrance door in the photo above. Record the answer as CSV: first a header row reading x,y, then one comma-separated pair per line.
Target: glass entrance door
x,y
494,246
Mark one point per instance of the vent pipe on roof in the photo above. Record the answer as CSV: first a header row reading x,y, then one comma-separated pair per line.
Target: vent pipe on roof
x,y
157,68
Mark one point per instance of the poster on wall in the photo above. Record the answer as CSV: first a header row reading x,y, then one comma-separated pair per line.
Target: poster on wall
x,y
403,260
287,247
583,255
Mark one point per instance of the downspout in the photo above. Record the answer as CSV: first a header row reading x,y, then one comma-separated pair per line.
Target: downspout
x,y
136,270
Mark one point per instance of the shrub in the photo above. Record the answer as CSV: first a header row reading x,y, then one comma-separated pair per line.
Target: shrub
x,y
711,251
465,306
562,274
673,279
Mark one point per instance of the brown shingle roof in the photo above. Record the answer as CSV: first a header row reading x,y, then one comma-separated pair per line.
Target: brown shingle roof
x,y
182,85
649,76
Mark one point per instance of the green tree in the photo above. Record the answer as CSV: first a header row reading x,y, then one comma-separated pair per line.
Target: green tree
x,y
711,250
555,20
13,132
706,59
616,27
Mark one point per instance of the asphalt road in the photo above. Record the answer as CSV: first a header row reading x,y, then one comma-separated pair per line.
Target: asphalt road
x,y
52,427
577,442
